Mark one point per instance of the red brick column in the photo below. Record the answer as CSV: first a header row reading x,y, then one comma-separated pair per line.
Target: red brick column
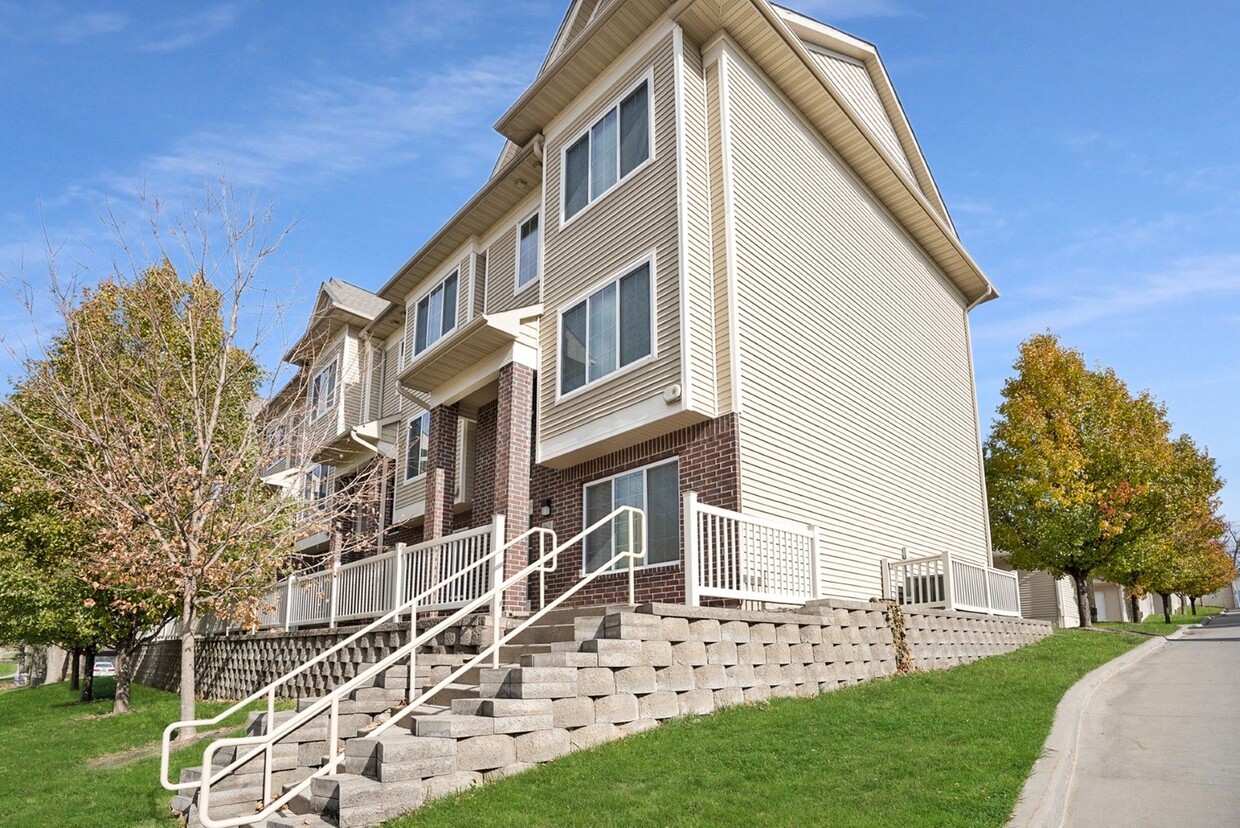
x,y
513,431
440,472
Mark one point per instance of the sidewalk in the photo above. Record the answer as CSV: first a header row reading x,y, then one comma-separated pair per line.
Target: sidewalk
x,y
1159,742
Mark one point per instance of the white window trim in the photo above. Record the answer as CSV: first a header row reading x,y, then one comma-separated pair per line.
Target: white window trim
x,y
679,508
647,78
405,458
316,415
411,315
648,258
517,287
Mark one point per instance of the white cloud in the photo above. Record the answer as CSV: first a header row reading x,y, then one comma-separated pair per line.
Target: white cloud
x,y
1193,278
188,31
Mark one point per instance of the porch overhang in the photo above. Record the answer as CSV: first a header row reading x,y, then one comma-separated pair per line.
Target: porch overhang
x,y
462,349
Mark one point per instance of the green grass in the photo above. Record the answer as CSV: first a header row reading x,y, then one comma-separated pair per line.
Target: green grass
x,y
951,748
47,739
1154,625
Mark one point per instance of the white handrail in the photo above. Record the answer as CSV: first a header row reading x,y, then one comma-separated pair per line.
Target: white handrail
x,y
270,689
264,743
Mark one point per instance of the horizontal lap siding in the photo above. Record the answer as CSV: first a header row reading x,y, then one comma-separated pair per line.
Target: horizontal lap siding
x,y
325,428
1067,602
857,409
853,81
352,376
392,401
502,275
376,380
1037,596
636,217
701,304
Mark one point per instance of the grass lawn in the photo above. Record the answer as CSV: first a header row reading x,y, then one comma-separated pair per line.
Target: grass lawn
x,y
47,739
1154,625
951,748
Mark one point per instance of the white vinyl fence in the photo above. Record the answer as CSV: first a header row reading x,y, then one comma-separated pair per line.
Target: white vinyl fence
x,y
945,582
733,555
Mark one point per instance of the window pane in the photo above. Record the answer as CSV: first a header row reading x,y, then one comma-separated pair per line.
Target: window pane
x,y
663,513
527,267
573,349
449,305
630,491
577,176
420,331
603,155
602,345
634,129
423,441
434,316
635,315
598,543
413,447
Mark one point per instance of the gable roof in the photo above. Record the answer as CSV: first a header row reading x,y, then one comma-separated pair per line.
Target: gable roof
x,y
338,303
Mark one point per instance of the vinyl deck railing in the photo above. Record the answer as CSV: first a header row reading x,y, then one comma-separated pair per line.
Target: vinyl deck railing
x,y
946,582
734,555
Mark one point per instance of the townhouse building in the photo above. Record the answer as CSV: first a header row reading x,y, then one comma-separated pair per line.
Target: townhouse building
x,y
711,258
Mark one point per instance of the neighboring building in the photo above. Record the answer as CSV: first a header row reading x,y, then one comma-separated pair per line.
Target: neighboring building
x,y
1043,596
711,258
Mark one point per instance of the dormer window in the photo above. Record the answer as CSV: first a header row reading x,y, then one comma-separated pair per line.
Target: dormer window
x,y
435,315
323,391
608,152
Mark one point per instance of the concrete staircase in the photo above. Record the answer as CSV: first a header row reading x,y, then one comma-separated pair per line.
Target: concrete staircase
x,y
420,750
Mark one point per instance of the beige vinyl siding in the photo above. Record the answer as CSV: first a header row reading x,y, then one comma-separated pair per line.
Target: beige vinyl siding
x,y
1067,602
377,354
697,241
392,401
857,409
413,492
636,217
354,385
502,274
719,244
1038,597
853,81
479,297
327,427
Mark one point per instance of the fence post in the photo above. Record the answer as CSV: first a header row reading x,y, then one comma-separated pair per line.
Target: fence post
x,y
1019,612
498,540
815,550
331,599
398,577
288,601
691,556
990,601
949,587
886,576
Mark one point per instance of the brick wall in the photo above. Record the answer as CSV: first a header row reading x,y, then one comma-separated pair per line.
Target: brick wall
x,y
708,464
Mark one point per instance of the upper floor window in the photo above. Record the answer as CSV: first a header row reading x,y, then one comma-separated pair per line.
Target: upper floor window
x,y
609,329
316,486
656,491
617,144
415,445
527,251
436,314
323,391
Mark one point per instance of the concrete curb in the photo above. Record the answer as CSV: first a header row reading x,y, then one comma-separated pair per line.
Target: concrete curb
x,y
1043,800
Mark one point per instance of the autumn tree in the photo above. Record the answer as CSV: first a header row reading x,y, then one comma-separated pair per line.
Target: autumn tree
x,y
1072,466
142,403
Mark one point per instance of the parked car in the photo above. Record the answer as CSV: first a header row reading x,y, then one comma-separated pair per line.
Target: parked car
x,y
105,667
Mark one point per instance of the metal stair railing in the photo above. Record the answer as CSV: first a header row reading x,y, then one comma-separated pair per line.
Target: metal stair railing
x,y
634,551
270,690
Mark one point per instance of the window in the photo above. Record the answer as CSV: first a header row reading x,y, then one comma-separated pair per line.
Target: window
x,y
415,445
316,489
607,331
527,251
654,489
617,144
435,315
323,391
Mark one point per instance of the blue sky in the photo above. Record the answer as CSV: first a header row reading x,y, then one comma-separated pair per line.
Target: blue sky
x,y
1088,151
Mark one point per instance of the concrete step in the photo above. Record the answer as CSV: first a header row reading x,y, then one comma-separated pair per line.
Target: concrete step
x,y
300,821
544,633
357,801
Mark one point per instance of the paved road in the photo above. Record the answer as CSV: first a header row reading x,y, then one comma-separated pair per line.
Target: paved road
x,y
1160,741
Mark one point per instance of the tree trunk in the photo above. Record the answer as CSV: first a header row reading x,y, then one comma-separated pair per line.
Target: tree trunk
x,y
1192,602
189,620
1082,598
125,658
1135,603
1166,599
88,675
75,676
